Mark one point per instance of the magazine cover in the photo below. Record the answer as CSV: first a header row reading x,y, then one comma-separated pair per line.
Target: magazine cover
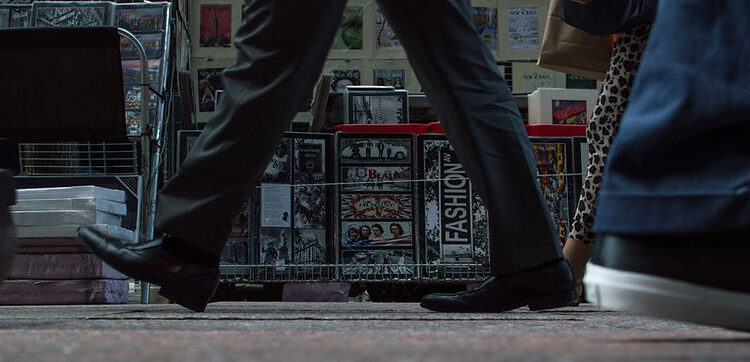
x,y
277,170
376,178
389,77
376,206
72,14
153,44
309,161
523,27
138,18
367,149
385,36
372,234
209,81
349,34
553,159
131,72
455,222
568,112
310,246
485,20
215,26
343,78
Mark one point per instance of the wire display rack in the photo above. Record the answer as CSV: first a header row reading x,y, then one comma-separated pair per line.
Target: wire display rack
x,y
354,273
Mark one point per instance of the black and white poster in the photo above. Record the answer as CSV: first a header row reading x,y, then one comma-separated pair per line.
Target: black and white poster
x,y
376,107
377,263
376,206
72,15
367,178
309,206
277,170
310,246
455,222
276,203
375,150
275,246
309,165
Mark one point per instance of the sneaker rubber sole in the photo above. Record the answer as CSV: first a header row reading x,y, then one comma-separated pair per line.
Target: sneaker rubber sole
x,y
666,298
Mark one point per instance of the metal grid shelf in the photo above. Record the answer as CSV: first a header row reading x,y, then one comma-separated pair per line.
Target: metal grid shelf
x,y
78,159
353,273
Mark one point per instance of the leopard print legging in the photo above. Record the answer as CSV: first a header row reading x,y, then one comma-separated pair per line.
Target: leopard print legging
x,y
603,125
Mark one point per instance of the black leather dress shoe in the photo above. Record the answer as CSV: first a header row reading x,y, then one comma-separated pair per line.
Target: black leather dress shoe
x,y
188,284
699,278
7,231
547,286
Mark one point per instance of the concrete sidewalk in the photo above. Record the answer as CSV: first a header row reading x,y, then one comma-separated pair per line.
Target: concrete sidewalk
x,y
350,332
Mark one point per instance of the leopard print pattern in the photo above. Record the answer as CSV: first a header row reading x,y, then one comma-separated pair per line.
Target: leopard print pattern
x,y
604,123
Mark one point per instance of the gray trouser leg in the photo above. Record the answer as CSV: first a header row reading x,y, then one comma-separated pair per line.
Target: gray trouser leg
x,y
282,46
483,124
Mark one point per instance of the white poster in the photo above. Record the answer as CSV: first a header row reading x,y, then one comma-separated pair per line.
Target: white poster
x,y
275,210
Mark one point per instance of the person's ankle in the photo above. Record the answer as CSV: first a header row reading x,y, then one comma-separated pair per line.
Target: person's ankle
x,y
578,254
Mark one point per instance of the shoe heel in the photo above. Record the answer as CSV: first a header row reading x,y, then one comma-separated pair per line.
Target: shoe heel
x,y
567,299
187,300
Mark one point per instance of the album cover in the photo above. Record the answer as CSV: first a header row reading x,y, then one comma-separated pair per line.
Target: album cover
x,y
360,149
133,98
554,164
209,81
141,17
310,246
385,36
349,34
275,246
378,263
215,25
133,120
131,72
569,111
376,107
153,44
376,206
277,170
343,78
389,77
376,178
455,223
376,234
485,21
72,14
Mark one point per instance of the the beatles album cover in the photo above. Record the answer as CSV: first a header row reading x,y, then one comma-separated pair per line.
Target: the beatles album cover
x,y
376,234
355,149
455,222
395,78
209,81
554,160
349,34
215,25
485,21
376,206
141,17
370,178
73,14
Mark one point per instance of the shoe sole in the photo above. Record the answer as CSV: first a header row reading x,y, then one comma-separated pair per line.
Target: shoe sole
x,y
666,298
567,299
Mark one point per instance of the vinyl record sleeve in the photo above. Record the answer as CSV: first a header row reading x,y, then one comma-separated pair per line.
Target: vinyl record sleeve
x,y
556,174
